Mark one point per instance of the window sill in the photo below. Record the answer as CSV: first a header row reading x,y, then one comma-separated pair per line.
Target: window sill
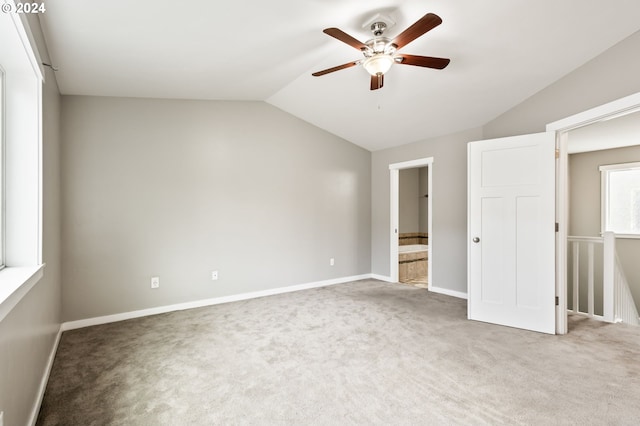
x,y
15,283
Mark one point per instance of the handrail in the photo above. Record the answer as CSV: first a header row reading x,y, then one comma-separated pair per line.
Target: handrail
x,y
573,238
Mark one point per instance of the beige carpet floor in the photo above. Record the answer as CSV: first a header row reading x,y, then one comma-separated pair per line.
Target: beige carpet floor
x,y
366,352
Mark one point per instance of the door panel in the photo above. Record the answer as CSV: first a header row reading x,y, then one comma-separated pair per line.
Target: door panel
x,y
492,279
511,202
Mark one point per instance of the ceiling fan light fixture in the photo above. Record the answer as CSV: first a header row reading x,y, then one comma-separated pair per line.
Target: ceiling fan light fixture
x,y
378,64
380,52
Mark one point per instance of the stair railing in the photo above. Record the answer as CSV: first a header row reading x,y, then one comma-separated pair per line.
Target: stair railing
x,y
617,301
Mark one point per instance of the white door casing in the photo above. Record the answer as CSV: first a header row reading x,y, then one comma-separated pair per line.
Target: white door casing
x,y
511,218
561,128
394,198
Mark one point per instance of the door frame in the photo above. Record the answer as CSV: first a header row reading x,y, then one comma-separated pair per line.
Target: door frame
x,y
394,185
614,109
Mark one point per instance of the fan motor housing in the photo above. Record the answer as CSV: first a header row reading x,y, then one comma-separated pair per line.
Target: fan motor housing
x,y
379,45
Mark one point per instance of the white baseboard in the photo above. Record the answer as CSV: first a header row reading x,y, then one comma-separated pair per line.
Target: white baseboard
x,y
72,325
458,294
45,378
440,290
381,278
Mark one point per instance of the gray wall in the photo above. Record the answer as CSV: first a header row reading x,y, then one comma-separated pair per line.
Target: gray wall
x,y
177,188
413,205
180,188
409,207
584,219
610,76
28,333
449,202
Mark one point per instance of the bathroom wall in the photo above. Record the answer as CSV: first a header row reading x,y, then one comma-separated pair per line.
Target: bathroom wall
x,y
414,208
423,201
409,187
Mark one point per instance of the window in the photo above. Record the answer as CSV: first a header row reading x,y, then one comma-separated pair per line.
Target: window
x,y
21,170
621,199
1,167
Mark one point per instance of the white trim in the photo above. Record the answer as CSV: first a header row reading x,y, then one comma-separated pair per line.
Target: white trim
x,y
382,278
626,236
394,216
15,283
394,208
411,164
45,378
446,291
28,42
72,325
28,38
605,200
562,218
617,108
621,166
3,168
40,182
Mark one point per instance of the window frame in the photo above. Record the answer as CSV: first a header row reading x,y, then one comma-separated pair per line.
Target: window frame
x,y
605,171
2,165
22,165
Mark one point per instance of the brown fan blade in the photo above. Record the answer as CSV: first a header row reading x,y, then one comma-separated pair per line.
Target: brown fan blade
x,y
344,37
377,81
424,61
423,25
338,68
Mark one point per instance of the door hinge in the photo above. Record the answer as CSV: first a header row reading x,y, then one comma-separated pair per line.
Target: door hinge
x,y
557,300
557,153
557,227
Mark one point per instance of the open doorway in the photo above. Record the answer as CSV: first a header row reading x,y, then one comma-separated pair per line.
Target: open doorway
x,y
413,236
561,128
593,150
411,221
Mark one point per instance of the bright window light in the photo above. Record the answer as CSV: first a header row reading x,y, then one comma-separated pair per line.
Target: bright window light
x,y
621,199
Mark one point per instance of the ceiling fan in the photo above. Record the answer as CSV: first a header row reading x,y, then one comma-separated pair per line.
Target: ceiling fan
x,y
380,53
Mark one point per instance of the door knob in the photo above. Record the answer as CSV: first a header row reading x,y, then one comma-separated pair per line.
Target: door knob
x,y
476,239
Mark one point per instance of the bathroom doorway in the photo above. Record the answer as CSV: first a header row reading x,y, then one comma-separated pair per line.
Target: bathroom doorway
x,y
411,238
413,233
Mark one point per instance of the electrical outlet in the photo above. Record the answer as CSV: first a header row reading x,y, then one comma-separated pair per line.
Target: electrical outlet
x,y
214,275
332,261
155,282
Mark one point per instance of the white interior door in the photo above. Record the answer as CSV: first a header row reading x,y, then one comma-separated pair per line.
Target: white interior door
x,y
511,231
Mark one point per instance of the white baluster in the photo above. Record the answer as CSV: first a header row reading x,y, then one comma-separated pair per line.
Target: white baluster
x,y
576,276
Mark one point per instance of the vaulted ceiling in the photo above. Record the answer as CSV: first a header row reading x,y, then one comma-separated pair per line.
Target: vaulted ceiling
x,y
502,52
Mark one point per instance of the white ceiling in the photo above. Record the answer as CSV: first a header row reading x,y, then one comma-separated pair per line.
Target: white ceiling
x,y
501,53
